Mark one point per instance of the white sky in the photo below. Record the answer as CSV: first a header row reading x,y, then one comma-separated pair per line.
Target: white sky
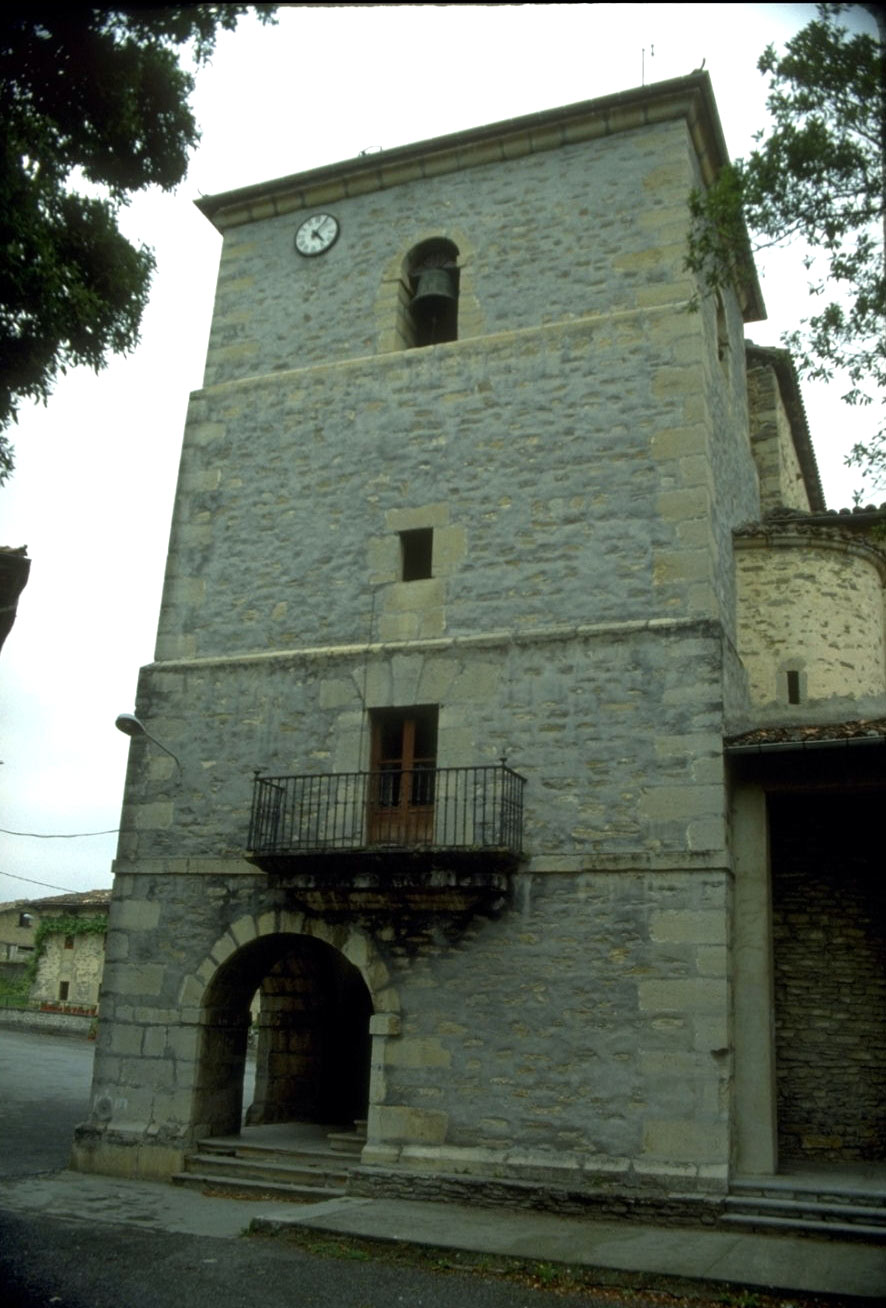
x,y
92,493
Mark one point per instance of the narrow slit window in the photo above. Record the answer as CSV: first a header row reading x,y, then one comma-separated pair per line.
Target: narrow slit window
x,y
63,989
69,942
722,335
416,553
793,677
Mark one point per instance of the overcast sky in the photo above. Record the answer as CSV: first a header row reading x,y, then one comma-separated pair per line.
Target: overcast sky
x,y
92,493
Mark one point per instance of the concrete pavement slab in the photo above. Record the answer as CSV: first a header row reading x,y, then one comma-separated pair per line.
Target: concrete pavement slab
x,y
775,1261
785,1262
154,1205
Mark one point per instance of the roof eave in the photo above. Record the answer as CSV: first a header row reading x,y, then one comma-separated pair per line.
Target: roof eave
x,y
781,361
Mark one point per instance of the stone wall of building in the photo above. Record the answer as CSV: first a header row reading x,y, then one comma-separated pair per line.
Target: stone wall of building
x,y
541,240
809,602
581,455
18,924
781,479
293,490
70,969
584,1031
616,728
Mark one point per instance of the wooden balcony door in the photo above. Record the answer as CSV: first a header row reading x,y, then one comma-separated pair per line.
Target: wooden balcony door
x,y
403,765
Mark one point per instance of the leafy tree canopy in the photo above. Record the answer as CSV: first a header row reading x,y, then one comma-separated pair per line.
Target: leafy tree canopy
x,y
817,176
94,104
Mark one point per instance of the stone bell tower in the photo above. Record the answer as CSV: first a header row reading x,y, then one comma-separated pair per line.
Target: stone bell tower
x,y
447,650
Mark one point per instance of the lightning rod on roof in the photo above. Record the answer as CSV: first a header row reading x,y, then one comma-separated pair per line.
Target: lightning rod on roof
x,y
643,62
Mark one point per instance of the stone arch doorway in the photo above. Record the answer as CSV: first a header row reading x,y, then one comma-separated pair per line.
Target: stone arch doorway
x,y
311,1036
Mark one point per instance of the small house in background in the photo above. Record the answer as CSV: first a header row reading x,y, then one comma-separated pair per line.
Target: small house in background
x,y
58,945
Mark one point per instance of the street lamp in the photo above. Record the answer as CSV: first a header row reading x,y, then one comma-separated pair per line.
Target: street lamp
x,y
130,725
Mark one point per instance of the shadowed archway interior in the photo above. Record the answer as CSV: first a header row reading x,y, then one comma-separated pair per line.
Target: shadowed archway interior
x,y
311,1037
829,945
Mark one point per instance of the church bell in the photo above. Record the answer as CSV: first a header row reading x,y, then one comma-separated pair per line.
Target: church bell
x,y
434,291
434,305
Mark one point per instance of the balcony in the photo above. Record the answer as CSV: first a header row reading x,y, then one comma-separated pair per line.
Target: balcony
x,y
416,838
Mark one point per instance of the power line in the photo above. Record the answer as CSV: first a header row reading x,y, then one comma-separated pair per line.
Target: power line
x,y
59,835
32,882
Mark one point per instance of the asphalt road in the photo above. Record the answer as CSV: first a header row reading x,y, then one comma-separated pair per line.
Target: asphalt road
x,y
44,1093
68,1265
49,1262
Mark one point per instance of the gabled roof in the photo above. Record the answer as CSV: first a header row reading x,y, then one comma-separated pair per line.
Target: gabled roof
x,y
71,899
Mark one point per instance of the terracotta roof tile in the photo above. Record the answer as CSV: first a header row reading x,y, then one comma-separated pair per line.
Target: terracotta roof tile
x,y
797,734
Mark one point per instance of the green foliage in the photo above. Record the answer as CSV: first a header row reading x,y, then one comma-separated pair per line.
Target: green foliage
x,y
817,177
15,988
65,924
94,104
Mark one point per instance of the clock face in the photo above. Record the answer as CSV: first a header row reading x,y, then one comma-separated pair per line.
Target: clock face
x,y
316,234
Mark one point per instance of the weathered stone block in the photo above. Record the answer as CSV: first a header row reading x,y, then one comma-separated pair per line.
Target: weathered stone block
x,y
400,1124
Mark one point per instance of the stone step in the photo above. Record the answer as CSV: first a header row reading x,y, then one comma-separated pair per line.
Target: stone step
x,y
243,1146
291,1169
346,1142
831,1193
319,1154
809,1206
784,1204
832,1230
233,1186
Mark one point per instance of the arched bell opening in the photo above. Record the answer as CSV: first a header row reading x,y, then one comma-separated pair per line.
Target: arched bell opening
x,y
433,282
311,1011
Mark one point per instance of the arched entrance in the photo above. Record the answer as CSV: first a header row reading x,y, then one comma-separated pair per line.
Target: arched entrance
x,y
312,1037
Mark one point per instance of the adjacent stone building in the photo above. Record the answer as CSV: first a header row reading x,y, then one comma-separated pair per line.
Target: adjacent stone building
x,y
502,614
56,947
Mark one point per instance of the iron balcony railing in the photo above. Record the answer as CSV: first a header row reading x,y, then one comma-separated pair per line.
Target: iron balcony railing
x,y
422,808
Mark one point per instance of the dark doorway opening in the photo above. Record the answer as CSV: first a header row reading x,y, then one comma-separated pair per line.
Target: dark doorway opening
x,y
829,956
311,1038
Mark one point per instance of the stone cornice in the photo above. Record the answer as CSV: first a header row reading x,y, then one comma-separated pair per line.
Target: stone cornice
x,y
796,534
496,640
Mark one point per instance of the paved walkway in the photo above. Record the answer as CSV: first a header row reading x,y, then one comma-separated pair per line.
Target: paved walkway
x,y
778,1261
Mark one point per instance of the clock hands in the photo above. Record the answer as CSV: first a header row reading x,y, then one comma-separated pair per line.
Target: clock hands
x,y
316,234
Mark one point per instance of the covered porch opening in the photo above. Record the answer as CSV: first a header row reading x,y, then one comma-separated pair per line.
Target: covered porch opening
x,y
829,977
304,1010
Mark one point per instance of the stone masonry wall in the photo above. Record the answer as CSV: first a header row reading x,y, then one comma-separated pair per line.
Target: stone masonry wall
x,y
548,237
590,1023
811,602
781,480
557,492
80,966
582,1033
581,455
616,728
